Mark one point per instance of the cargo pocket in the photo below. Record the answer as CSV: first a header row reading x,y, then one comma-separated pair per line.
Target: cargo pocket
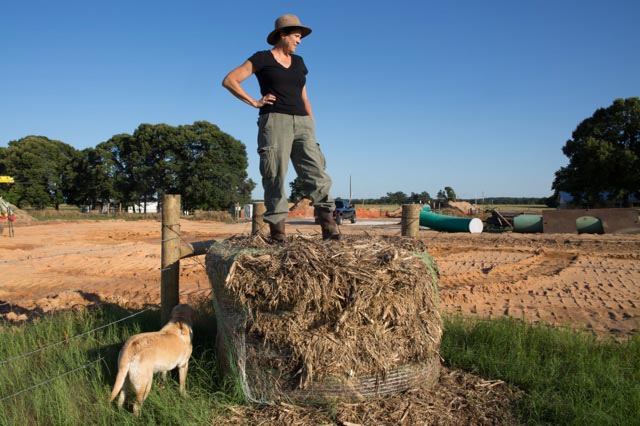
x,y
268,165
321,160
263,132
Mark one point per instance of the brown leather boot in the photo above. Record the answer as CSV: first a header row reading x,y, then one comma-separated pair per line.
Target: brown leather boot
x,y
277,232
328,224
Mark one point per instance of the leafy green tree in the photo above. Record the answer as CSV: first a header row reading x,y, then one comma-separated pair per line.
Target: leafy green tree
x,y
297,190
3,167
120,152
422,197
451,194
199,161
4,189
152,163
42,169
397,197
446,194
604,155
94,177
212,168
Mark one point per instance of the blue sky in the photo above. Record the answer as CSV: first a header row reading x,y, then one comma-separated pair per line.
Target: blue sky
x,y
408,96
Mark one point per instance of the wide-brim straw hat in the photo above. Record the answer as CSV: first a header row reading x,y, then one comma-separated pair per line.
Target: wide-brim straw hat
x,y
286,21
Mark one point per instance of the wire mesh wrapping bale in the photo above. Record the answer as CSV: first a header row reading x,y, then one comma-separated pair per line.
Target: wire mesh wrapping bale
x,y
316,321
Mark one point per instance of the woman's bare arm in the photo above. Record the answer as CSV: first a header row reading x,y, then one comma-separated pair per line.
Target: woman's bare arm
x,y
232,82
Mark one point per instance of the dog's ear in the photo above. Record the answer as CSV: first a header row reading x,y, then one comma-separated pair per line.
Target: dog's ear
x,y
185,329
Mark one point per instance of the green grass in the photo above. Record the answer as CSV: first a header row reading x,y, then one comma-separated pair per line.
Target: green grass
x,y
570,378
82,397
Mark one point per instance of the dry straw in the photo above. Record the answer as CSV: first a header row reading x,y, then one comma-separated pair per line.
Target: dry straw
x,y
316,321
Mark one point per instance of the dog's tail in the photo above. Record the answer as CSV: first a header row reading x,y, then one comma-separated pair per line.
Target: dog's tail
x,y
123,370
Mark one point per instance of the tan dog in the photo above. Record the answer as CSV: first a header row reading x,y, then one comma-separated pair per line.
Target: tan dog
x,y
148,353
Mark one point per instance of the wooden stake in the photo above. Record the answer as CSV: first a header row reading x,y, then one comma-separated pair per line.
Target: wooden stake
x,y
257,223
170,273
410,220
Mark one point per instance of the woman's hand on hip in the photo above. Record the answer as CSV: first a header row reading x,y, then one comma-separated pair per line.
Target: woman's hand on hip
x,y
267,99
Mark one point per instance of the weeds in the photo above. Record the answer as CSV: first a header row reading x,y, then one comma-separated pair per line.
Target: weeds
x,y
569,377
82,397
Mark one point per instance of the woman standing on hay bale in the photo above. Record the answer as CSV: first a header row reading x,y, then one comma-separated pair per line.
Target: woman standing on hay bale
x,y
286,127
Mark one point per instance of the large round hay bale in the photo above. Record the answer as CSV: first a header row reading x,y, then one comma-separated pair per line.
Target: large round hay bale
x,y
314,321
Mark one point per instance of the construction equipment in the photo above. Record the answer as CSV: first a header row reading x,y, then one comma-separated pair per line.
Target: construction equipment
x,y
6,179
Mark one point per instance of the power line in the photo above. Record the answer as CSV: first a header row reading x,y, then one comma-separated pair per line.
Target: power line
x,y
50,380
5,361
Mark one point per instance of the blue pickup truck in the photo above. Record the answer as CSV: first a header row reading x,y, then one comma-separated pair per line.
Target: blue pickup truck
x,y
344,211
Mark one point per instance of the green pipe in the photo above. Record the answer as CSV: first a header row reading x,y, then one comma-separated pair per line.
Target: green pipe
x,y
527,223
589,225
440,222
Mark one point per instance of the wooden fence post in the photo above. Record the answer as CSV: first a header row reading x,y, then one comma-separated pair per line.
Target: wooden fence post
x,y
170,272
410,220
257,222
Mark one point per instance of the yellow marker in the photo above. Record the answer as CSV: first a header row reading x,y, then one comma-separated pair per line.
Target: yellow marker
x,y
6,179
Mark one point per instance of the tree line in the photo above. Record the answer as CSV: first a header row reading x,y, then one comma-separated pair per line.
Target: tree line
x,y
208,167
604,157
199,161
400,197
603,169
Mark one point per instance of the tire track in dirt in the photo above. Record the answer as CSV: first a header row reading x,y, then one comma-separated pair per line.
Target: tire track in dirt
x,y
584,287
489,269
565,279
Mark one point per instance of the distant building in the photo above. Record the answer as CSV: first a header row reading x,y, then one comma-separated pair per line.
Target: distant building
x,y
151,207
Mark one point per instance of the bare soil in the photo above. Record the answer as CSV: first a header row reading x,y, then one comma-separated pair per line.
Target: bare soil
x,y
582,281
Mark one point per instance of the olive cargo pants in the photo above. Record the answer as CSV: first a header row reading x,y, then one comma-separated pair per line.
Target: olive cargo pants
x,y
282,137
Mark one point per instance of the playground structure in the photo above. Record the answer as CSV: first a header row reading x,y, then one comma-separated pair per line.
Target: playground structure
x,y
7,214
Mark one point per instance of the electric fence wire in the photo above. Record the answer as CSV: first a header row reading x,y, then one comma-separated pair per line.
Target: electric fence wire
x,y
65,341
4,398
2,362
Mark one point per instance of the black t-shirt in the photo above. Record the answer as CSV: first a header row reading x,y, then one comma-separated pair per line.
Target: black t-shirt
x,y
285,83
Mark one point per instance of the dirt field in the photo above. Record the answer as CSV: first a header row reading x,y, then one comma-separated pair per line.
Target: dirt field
x,y
583,281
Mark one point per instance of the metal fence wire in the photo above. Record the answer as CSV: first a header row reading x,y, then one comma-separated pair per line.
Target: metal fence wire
x,y
195,261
